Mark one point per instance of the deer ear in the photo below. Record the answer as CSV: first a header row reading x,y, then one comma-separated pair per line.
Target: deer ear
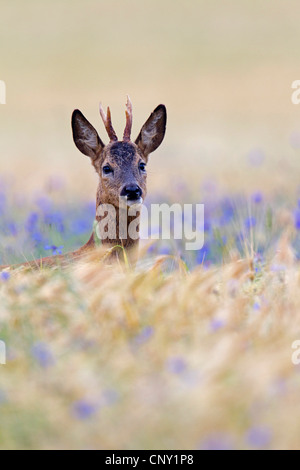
x,y
85,136
153,131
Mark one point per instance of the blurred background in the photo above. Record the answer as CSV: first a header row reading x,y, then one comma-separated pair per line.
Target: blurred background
x,y
223,69
179,355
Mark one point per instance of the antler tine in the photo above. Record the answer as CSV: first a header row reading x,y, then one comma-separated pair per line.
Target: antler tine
x,y
106,118
127,131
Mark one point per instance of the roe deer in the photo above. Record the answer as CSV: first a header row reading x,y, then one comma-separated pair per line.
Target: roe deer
x,y
121,167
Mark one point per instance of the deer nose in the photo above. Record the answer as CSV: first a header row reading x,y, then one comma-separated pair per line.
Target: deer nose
x,y
132,192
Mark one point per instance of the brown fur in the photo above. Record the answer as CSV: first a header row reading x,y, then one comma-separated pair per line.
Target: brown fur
x,y
124,158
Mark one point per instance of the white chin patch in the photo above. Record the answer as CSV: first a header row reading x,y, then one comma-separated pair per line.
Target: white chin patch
x,y
136,202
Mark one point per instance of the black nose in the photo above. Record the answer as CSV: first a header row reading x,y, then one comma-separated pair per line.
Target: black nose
x,y
132,192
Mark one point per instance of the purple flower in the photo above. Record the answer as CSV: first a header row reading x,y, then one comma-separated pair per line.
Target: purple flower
x,y
176,365
2,202
43,355
80,226
44,203
216,324
217,441
207,224
259,436
297,219
164,250
144,335
31,222
5,276
83,409
250,222
227,211
37,236
151,249
55,219
202,254
31,226
257,197
12,229
56,250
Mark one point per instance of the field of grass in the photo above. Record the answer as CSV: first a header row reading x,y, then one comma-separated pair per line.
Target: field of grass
x,y
189,349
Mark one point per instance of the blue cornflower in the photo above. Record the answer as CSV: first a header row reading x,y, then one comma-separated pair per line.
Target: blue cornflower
x,y
217,441
144,335
250,222
259,436
164,250
41,352
32,221
83,409
297,219
80,226
216,324
5,276
56,250
56,219
12,229
257,197
2,202
176,365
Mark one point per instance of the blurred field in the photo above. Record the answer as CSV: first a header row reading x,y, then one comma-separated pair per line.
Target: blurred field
x,y
189,350
223,71
108,358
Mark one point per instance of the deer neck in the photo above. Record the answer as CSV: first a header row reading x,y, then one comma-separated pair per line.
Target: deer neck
x,y
116,226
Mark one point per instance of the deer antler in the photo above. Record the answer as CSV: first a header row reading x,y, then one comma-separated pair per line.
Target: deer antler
x,y
106,118
127,131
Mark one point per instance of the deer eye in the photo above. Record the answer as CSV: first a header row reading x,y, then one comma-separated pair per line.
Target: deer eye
x,y
142,166
107,170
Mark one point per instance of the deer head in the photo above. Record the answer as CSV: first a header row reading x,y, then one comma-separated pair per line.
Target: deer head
x,y
121,167
121,164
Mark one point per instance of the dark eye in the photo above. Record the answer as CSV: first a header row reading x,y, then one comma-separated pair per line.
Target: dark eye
x,y
142,166
107,169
